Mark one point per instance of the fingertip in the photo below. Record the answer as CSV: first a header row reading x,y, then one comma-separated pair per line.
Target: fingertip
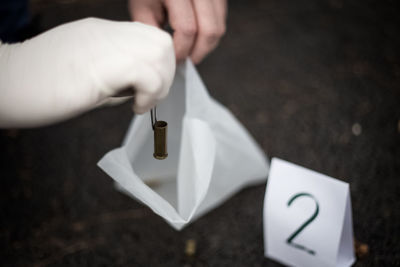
x,y
139,109
183,21
143,103
196,59
145,12
181,50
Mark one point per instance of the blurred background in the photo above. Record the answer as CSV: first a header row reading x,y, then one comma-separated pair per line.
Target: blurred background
x,y
316,83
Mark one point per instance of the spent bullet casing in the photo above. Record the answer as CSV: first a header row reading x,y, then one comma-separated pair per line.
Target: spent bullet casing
x,y
160,140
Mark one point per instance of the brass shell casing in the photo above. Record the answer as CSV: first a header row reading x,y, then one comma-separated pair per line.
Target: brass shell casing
x,y
160,140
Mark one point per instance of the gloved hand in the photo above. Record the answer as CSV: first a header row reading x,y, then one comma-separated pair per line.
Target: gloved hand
x,y
80,65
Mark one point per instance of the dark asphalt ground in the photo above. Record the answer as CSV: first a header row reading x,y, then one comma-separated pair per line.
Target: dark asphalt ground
x,y
298,74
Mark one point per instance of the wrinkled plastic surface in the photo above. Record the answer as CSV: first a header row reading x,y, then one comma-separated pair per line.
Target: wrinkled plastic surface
x,y
211,156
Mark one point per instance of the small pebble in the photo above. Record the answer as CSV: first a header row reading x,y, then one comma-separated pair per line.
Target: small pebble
x,y
190,248
361,249
356,129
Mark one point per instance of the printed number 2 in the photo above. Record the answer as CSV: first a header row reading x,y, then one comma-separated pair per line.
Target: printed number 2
x,y
289,241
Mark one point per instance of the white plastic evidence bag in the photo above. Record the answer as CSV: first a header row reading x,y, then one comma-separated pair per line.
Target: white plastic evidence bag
x,y
211,155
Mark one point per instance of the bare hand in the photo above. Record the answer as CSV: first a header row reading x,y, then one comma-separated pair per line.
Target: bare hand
x,y
198,24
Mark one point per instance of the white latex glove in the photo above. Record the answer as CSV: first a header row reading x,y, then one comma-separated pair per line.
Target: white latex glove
x,y
80,65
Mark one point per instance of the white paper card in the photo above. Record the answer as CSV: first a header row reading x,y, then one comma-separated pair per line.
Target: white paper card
x,y
307,218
